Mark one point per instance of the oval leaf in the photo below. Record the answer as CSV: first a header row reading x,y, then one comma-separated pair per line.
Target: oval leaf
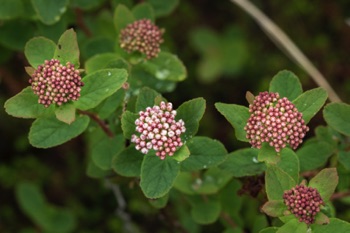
x,y
166,66
325,182
243,162
49,11
128,162
67,49
158,176
49,132
191,112
39,49
277,181
98,86
206,212
286,84
310,102
337,116
122,17
205,153
237,116
66,113
25,105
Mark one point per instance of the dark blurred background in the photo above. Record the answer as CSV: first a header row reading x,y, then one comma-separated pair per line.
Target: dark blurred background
x,y
226,54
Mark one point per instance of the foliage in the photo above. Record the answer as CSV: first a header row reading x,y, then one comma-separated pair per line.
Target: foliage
x,y
207,182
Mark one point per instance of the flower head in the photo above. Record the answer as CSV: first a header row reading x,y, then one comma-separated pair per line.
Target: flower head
x,y
143,36
275,120
157,129
55,83
304,202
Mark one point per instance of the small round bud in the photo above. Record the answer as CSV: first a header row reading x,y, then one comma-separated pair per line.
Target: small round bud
x,y
54,83
276,121
304,202
142,36
153,133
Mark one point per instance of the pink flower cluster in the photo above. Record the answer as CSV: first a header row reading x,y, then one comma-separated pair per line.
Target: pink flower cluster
x,y
55,83
303,202
143,36
275,120
158,130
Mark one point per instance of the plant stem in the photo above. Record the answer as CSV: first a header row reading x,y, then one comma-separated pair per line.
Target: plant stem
x,y
287,45
340,195
100,122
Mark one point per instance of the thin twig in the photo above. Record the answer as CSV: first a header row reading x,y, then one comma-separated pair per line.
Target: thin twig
x,y
121,210
340,195
281,39
80,22
100,122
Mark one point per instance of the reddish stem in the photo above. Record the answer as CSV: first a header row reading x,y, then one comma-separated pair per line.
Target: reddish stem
x,y
100,122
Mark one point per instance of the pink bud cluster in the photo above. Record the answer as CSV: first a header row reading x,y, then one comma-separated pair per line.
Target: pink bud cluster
x,y
158,130
55,83
142,36
304,202
275,120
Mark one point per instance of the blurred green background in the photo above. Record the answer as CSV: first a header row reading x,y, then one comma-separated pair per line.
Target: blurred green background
x,y
226,54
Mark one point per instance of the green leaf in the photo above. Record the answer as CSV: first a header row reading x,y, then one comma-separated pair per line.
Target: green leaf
x,y
166,66
274,208
50,11
326,134
206,212
181,153
122,17
237,116
268,154
269,230
67,49
25,105
145,99
143,11
325,182
158,176
293,226
39,49
31,201
98,86
344,158
243,162
110,104
314,154
286,84
289,163
191,112
128,123
66,113
159,203
104,148
86,4
205,153
163,8
335,225
337,116
49,218
10,9
277,181
94,171
99,61
128,162
310,102
16,39
50,132
211,181
97,45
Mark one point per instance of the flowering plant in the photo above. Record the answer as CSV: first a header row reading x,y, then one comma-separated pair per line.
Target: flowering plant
x,y
115,97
